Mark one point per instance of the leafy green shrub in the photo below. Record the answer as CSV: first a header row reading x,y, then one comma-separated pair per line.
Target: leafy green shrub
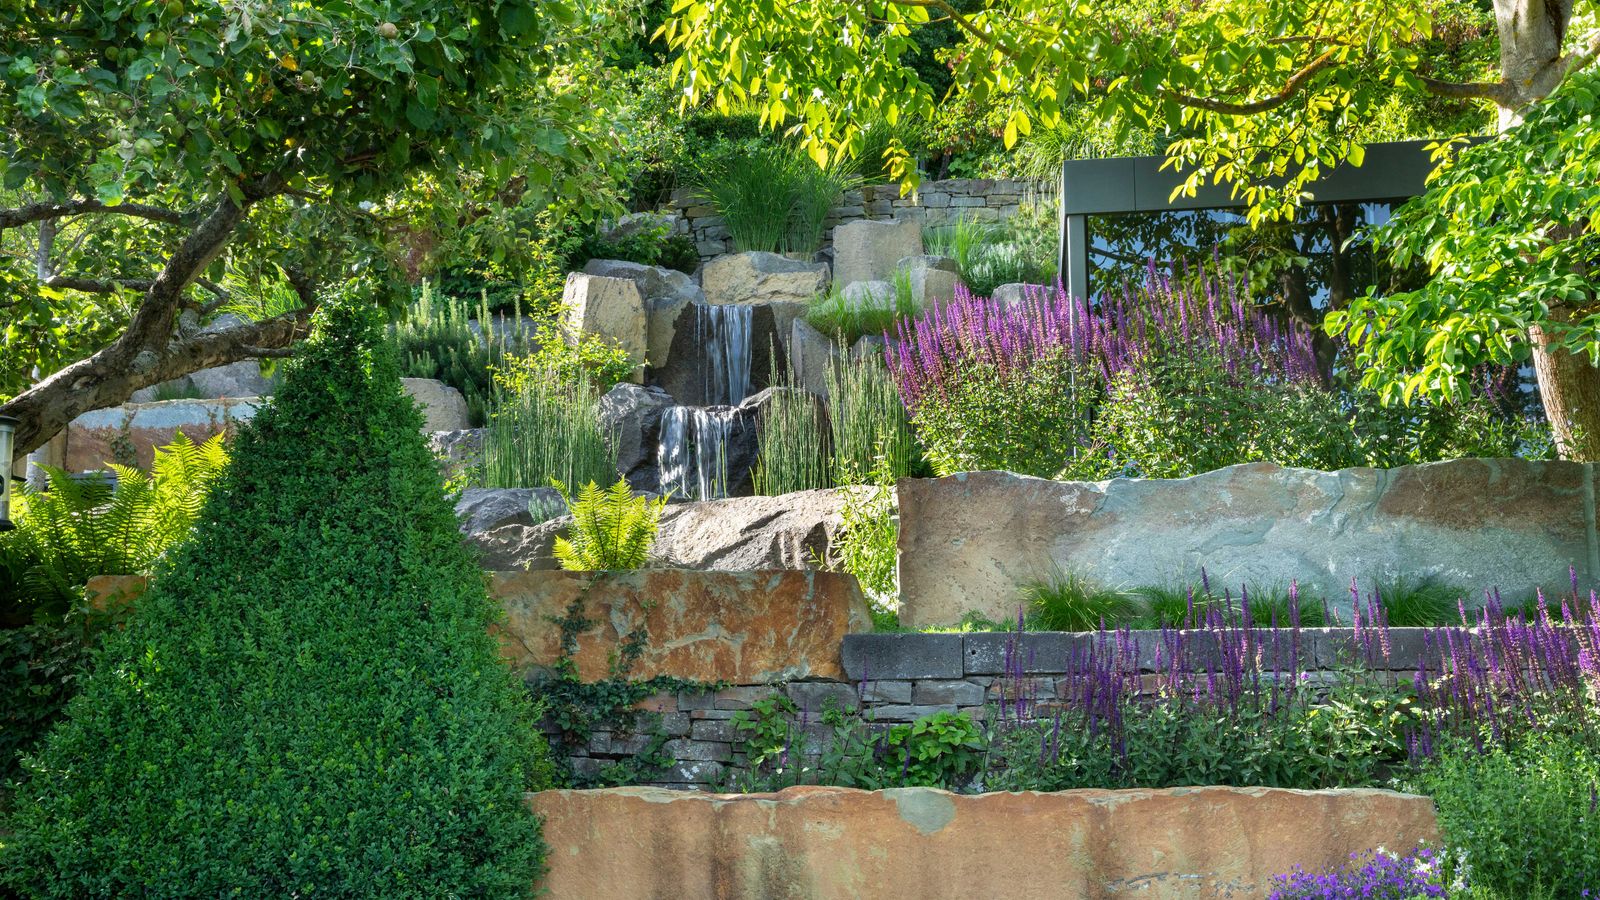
x,y
78,528
866,543
42,665
1065,601
543,429
651,245
435,340
1525,819
989,254
307,699
772,197
611,529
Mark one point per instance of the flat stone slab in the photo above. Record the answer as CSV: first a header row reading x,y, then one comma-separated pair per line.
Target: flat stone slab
x,y
738,627
823,843
971,542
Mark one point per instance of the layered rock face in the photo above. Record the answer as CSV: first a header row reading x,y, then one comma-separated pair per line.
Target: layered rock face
x,y
738,627
820,843
794,531
972,541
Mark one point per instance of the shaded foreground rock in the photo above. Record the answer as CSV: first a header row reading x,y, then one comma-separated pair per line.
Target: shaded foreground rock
x,y
972,541
792,531
738,627
818,843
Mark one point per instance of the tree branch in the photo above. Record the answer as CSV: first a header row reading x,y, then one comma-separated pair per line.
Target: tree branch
x,y
94,286
1290,88
39,212
1498,91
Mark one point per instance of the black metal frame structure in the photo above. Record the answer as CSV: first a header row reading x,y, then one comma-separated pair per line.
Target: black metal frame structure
x,y
1390,172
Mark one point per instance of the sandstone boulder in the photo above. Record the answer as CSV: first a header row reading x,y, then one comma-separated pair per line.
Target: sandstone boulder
x,y
869,249
758,277
666,293
129,434
739,627
971,541
443,407
611,308
1013,294
868,294
825,843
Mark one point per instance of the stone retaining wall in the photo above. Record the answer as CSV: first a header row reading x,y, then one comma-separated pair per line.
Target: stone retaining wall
x,y
897,678
935,203
819,843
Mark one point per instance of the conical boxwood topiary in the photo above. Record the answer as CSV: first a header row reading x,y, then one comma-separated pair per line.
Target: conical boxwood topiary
x,y
306,703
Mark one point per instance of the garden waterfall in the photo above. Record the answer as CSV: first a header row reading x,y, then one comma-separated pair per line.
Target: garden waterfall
x,y
692,452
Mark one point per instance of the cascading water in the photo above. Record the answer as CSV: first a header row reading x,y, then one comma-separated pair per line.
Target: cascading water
x,y
693,452
724,331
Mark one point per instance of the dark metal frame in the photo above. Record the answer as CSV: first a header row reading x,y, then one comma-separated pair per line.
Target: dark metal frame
x,y
1090,187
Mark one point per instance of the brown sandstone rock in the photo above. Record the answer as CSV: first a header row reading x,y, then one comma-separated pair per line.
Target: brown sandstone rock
x,y
815,843
740,627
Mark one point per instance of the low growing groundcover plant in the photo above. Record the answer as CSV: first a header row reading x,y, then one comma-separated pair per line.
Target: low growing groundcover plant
x,y
306,702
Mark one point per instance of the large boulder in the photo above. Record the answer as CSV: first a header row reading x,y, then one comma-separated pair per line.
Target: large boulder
x,y
239,379
632,415
810,354
737,627
486,509
1013,294
810,843
870,249
794,531
933,279
443,407
708,341
129,434
666,293
611,308
757,277
970,542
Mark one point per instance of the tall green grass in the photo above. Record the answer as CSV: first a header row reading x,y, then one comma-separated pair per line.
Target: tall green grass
x,y
790,454
1064,601
773,197
989,254
547,430
867,420
848,322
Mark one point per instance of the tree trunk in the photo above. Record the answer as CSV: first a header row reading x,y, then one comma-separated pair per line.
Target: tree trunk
x,y
1532,65
147,353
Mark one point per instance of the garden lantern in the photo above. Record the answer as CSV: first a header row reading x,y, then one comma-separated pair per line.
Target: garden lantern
x,y
8,430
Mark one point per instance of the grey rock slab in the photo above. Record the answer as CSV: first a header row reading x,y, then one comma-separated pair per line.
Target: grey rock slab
x,y
871,656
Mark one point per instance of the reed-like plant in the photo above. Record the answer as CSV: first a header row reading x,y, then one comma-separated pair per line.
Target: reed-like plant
x,y
866,419
848,322
547,429
791,453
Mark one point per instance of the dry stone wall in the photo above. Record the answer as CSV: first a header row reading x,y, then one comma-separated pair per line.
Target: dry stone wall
x,y
935,203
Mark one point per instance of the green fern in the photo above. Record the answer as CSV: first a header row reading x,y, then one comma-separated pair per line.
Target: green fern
x,y
79,527
611,529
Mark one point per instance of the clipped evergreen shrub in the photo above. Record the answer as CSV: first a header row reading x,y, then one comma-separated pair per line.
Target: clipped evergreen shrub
x,y
306,702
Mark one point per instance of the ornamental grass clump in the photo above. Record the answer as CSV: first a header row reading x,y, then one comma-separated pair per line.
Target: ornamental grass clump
x,y
306,701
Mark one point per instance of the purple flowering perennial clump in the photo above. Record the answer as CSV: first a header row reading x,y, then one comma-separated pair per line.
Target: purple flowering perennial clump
x,y
929,353
1369,876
